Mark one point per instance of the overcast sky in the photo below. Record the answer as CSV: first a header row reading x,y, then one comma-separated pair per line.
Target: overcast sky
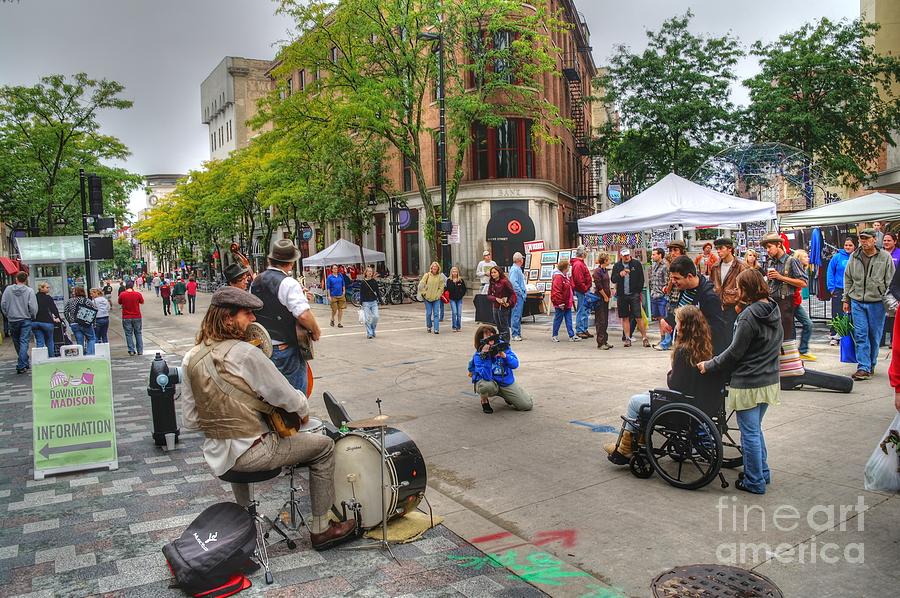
x,y
161,50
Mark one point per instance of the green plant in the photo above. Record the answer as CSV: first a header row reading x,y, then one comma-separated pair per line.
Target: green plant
x,y
842,325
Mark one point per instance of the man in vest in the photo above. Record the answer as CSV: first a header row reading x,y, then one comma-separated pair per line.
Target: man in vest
x,y
229,384
285,305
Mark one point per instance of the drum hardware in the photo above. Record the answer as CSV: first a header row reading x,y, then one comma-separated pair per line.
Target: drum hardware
x,y
293,504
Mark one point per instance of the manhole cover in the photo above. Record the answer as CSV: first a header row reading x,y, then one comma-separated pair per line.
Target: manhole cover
x,y
713,581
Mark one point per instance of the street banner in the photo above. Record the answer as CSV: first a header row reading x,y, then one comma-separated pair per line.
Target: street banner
x,y
73,422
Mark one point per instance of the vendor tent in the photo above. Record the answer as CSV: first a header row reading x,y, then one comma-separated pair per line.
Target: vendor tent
x,y
875,206
342,252
676,201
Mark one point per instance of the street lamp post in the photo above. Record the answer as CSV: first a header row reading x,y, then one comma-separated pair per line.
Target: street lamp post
x,y
84,232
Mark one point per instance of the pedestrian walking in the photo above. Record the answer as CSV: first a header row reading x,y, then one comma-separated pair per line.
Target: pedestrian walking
x,y
192,294
368,297
101,322
628,276
107,290
83,331
784,275
19,306
456,289
431,288
517,280
800,314
165,291
483,271
46,320
132,320
581,283
834,281
157,282
562,298
179,290
503,298
601,308
751,362
866,278
336,289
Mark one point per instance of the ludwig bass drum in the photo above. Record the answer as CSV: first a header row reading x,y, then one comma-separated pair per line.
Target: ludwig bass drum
x,y
357,474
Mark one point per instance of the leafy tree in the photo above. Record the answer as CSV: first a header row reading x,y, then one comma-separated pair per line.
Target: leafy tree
x,y
673,102
825,90
49,131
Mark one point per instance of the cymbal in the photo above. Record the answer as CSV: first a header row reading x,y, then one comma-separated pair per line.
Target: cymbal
x,y
380,420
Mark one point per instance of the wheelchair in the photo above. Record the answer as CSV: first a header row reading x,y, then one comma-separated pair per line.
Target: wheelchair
x,y
686,440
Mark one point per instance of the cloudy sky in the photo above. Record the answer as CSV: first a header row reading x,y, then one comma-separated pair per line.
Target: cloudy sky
x,y
162,49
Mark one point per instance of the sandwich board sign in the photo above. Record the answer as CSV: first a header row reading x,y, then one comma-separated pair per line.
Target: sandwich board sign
x,y
73,424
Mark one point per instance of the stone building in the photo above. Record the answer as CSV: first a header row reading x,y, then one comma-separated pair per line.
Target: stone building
x,y
157,187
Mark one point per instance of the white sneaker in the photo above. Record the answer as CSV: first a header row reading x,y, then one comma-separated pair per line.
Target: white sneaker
x,y
517,338
834,342
555,339
575,339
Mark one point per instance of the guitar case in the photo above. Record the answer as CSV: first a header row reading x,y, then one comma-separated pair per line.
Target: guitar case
x,y
822,380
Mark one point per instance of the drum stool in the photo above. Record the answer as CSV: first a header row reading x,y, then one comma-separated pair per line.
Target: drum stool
x,y
263,523
293,503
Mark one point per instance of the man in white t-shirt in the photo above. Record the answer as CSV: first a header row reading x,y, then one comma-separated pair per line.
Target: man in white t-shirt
x,y
483,271
284,306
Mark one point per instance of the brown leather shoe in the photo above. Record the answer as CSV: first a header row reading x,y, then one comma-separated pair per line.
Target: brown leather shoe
x,y
334,535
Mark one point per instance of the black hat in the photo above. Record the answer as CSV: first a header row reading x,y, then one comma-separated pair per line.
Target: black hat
x,y
283,250
724,242
235,297
234,270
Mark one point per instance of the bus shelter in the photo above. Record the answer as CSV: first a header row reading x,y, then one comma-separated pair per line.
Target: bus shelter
x,y
50,260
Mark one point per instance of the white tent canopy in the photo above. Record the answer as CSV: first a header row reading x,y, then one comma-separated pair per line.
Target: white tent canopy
x,y
342,252
875,206
672,201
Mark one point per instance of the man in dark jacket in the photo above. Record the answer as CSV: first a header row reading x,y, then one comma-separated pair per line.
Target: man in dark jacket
x,y
698,290
581,281
628,276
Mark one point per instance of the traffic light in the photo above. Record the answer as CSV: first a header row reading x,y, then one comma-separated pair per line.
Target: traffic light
x,y
95,195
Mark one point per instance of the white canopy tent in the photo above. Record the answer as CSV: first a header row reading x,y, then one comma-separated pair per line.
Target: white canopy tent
x,y
342,252
676,201
874,206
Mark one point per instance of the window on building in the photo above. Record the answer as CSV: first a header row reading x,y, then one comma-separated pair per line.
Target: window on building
x,y
318,73
302,79
228,129
407,174
504,151
290,86
212,143
221,136
334,55
477,48
503,67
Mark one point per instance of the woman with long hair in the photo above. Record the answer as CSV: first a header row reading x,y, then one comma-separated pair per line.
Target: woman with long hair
x,y
601,308
101,322
503,298
456,288
368,297
752,363
431,287
46,320
84,333
693,345
751,259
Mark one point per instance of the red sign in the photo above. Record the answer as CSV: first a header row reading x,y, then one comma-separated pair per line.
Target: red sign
x,y
532,246
514,227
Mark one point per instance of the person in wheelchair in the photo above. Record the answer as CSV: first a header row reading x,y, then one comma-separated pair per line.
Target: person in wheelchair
x,y
693,345
491,369
752,362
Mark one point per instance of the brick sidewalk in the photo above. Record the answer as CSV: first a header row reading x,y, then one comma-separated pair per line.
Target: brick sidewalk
x,y
101,532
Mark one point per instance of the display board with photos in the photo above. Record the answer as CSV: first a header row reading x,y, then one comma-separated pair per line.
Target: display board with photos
x,y
539,267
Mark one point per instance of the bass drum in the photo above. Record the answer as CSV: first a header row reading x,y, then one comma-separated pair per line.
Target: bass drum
x,y
357,474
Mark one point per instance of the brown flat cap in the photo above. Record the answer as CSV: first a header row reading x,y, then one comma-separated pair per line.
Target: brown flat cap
x,y
770,238
284,251
235,270
235,297
677,243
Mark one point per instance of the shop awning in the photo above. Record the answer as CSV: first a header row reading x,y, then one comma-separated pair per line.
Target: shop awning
x,y
874,206
50,250
9,265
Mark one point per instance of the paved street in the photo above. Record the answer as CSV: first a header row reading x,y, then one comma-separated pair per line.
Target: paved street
x,y
529,488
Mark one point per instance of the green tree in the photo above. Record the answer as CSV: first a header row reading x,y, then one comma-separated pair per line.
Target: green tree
x,y
673,103
47,132
825,90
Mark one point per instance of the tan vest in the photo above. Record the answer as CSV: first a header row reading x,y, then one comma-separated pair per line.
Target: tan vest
x,y
223,400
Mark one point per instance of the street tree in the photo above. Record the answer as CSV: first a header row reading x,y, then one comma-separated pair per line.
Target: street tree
x,y
673,103
47,133
824,89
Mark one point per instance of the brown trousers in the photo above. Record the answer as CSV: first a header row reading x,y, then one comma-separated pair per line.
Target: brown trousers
x,y
786,306
601,322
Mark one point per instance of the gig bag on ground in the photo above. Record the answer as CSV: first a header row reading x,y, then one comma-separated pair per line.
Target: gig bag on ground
x,y
214,548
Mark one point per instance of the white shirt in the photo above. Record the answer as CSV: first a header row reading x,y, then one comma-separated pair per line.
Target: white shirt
x,y
251,365
484,269
724,268
102,306
292,296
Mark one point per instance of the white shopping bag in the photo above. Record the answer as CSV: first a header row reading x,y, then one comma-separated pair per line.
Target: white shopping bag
x,y
883,468
362,316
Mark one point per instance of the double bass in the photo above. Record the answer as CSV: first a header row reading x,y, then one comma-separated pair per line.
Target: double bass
x,y
304,339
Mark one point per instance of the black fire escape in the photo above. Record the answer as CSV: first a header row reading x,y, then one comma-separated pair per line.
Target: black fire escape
x,y
585,196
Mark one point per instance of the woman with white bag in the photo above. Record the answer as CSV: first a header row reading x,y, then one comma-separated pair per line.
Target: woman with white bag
x,y
368,297
883,468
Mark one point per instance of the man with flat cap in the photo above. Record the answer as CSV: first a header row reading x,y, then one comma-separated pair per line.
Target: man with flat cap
x,y
236,275
723,275
228,385
285,306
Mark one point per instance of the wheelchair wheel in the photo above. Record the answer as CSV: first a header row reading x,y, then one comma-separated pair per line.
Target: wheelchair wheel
x,y
640,466
732,456
684,446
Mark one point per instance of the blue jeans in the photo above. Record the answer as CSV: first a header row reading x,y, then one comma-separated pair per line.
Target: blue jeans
x,y
133,327
456,313
43,336
501,319
515,322
558,316
370,309
20,331
581,315
634,408
84,336
806,324
432,315
442,311
101,327
292,366
753,447
868,326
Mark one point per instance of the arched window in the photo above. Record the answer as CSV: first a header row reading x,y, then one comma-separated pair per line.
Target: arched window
x,y
503,152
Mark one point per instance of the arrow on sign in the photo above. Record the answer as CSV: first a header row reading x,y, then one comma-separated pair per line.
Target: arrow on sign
x,y
71,448
566,536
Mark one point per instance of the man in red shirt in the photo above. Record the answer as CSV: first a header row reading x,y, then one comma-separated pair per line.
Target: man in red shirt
x,y
192,295
131,300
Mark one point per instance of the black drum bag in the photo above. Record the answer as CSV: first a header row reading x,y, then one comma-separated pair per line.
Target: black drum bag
x,y
823,380
214,547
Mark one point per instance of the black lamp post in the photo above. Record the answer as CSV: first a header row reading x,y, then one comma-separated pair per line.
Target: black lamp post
x,y
394,206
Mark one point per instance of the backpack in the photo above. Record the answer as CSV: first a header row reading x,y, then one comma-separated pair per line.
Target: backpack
x,y
214,549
